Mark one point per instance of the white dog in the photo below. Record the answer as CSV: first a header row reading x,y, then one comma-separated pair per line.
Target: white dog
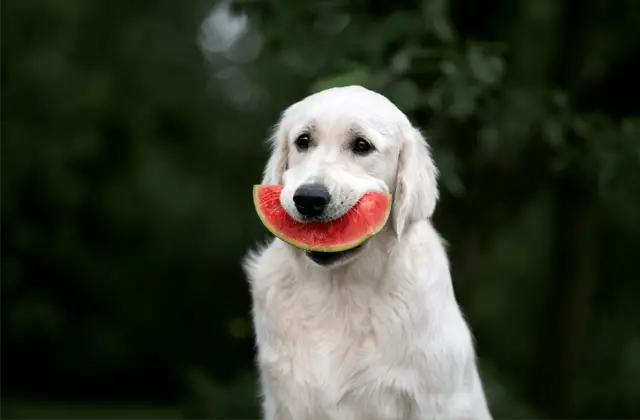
x,y
373,333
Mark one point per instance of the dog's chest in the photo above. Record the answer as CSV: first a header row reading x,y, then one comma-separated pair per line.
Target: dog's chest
x,y
333,345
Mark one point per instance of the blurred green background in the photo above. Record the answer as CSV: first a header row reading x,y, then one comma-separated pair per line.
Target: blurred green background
x,y
132,132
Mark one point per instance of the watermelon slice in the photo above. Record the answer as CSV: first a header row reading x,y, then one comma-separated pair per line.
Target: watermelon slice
x,y
361,222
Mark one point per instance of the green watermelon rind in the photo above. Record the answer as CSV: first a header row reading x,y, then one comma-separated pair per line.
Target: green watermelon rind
x,y
337,248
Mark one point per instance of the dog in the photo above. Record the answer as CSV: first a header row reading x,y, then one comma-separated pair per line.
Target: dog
x,y
375,332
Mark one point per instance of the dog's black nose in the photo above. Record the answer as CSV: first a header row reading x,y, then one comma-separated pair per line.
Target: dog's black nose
x,y
312,199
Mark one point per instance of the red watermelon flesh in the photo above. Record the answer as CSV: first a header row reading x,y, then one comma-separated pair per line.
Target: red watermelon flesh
x,y
361,222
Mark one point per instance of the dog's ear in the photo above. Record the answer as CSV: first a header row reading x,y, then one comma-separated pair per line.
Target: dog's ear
x,y
416,192
277,163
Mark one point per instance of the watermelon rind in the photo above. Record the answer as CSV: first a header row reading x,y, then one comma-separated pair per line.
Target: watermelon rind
x,y
374,229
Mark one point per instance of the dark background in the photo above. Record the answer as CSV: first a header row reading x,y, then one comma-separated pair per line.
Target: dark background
x,y
132,132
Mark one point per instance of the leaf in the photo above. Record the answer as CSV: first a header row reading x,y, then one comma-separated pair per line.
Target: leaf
x,y
437,20
401,61
487,69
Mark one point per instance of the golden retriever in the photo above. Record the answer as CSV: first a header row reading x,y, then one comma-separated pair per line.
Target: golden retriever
x,y
373,333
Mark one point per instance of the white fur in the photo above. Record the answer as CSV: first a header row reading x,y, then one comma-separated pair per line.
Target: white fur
x,y
379,335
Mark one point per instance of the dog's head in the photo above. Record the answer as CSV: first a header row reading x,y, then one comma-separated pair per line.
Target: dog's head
x,y
334,146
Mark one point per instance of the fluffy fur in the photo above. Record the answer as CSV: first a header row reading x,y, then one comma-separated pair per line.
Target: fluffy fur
x,y
378,335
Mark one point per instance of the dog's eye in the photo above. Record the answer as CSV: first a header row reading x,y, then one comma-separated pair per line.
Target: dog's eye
x,y
361,146
302,142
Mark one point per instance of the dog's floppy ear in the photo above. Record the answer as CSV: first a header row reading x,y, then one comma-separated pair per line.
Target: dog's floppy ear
x,y
277,163
416,192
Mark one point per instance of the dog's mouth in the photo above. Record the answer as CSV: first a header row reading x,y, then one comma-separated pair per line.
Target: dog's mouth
x,y
329,258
